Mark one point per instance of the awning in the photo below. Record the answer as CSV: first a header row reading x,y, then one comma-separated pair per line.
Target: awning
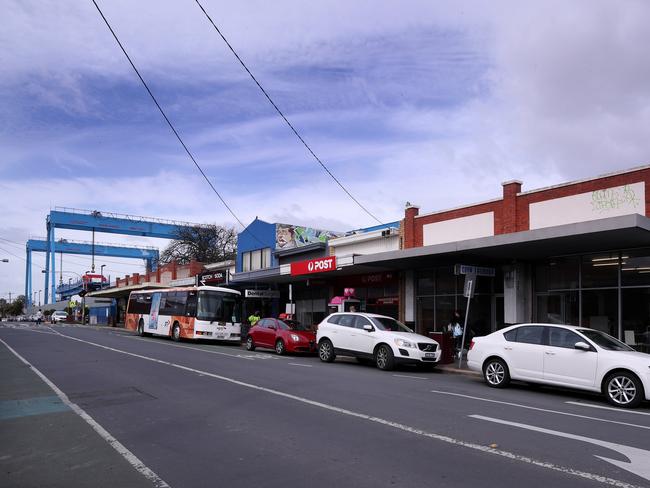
x,y
624,232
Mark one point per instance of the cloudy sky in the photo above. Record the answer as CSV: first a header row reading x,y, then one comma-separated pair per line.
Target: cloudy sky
x,y
435,103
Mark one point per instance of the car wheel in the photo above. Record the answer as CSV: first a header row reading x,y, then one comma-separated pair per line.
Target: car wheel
x,y
384,358
250,345
326,351
624,389
176,332
496,374
141,328
279,347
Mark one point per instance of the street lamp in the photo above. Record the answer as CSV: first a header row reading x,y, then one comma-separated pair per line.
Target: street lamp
x,y
39,297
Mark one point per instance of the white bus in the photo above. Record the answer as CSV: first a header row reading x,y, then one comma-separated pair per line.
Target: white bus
x,y
205,312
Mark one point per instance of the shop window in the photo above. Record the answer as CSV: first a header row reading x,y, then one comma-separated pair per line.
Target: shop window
x,y
266,258
445,307
256,259
558,308
424,322
636,318
246,261
479,322
601,270
600,310
445,280
635,270
425,281
557,274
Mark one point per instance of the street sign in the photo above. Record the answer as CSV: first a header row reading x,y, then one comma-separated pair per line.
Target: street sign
x,y
261,294
465,269
470,286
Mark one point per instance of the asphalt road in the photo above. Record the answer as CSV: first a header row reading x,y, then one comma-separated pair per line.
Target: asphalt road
x,y
194,415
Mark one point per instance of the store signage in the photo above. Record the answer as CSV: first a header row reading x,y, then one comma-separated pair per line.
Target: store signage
x,y
464,269
213,277
388,301
319,265
262,293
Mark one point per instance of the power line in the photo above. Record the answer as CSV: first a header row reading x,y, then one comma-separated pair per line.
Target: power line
x,y
171,126
293,129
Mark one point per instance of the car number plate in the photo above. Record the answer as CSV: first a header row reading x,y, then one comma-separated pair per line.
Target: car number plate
x,y
429,354
220,336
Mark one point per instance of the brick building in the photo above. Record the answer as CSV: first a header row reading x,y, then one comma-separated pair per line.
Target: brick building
x,y
576,253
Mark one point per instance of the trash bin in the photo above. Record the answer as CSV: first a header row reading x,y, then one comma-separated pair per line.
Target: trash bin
x,y
446,342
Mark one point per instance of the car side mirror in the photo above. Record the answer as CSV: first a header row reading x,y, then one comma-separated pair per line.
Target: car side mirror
x,y
368,328
583,346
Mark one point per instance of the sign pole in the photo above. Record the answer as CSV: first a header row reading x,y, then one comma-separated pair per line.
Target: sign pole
x,y
470,280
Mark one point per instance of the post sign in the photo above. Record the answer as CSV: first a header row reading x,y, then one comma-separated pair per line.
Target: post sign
x,y
470,286
261,294
310,266
464,269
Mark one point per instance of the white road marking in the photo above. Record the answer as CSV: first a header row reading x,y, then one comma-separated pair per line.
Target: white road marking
x,y
558,412
131,458
407,376
377,420
639,463
603,407
300,364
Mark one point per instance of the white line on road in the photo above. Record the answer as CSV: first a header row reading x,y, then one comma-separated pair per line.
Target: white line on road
x,y
131,458
412,377
558,412
638,463
301,364
377,420
613,409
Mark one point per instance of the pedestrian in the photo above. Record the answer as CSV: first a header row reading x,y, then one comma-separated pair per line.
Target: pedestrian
x,y
39,316
457,332
254,318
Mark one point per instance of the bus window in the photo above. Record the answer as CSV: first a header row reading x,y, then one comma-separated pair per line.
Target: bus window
x,y
139,303
190,306
173,303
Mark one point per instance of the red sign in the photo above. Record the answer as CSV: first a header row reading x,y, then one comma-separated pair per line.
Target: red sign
x,y
310,266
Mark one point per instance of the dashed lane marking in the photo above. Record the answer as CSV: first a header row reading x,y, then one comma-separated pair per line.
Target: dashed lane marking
x,y
412,377
301,364
638,458
613,409
558,412
377,420
103,433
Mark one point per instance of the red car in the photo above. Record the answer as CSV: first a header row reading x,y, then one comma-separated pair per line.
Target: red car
x,y
281,335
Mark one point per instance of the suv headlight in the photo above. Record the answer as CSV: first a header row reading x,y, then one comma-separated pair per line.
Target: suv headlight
x,y
404,343
295,337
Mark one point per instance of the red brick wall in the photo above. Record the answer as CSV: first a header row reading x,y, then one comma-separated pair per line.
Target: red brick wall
x,y
511,212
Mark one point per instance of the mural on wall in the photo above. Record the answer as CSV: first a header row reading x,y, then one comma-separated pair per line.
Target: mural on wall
x,y
291,236
613,198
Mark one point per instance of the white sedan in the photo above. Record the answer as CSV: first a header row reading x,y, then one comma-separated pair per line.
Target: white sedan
x,y
563,355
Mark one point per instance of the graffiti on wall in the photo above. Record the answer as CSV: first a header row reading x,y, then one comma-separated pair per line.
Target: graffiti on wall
x,y
291,236
603,201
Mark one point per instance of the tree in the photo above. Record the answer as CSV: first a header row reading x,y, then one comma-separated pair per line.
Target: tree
x,y
207,244
16,307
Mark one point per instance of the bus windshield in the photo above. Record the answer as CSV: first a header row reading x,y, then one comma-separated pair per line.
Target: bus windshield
x,y
216,306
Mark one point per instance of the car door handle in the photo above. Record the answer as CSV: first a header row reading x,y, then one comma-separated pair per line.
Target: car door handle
x,y
549,353
507,348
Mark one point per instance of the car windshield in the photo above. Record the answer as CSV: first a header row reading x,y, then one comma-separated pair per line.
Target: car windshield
x,y
291,325
386,323
218,307
605,341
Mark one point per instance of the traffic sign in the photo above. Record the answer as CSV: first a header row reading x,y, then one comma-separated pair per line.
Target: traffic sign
x,y
465,269
470,286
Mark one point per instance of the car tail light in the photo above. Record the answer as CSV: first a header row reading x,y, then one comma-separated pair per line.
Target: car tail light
x,y
471,345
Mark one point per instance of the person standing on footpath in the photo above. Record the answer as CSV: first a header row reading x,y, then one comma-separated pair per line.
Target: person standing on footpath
x,y
457,332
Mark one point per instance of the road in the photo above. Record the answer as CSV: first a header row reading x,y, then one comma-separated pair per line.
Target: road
x,y
194,415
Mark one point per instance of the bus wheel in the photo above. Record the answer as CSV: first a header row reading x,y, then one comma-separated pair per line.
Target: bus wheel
x,y
250,345
176,332
141,328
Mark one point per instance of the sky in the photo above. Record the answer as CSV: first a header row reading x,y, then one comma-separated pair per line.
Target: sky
x,y
435,103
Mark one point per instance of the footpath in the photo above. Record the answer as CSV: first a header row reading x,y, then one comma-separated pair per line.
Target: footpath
x,y
43,443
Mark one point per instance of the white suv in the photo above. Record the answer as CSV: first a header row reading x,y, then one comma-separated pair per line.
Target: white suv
x,y
58,316
381,339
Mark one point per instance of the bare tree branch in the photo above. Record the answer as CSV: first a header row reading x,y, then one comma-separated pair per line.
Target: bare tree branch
x,y
207,244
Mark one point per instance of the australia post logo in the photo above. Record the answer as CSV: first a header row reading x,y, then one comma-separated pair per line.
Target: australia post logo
x,y
319,265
